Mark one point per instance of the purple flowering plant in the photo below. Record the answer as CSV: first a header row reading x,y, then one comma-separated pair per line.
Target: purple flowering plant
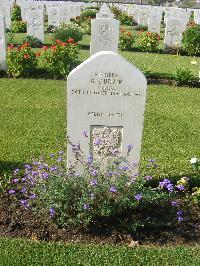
x,y
70,197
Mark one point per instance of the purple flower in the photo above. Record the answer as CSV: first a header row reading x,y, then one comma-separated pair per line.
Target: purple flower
x,y
45,175
15,180
85,134
52,155
180,187
152,160
94,172
115,151
170,187
180,218
86,206
166,183
174,203
52,212
109,173
60,152
16,171
59,159
113,189
89,159
32,196
27,167
124,168
24,204
34,173
97,141
130,147
11,191
138,197
179,213
148,177
23,190
53,168
93,182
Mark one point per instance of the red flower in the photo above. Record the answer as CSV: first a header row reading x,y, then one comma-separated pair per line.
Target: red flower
x,y
58,41
53,47
70,40
129,33
44,47
38,54
11,46
25,45
26,56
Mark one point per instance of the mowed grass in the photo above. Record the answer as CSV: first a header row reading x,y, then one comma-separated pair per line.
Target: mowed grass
x,y
33,123
27,253
32,119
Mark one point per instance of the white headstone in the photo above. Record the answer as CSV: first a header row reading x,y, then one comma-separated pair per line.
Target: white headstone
x,y
35,24
104,35
104,12
173,33
2,43
65,14
154,22
54,18
106,98
5,10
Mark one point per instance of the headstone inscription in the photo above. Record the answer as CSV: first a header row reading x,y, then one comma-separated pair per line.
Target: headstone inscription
x,y
106,98
104,35
2,43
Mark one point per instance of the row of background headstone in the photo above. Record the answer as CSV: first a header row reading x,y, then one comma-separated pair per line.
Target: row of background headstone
x,y
175,19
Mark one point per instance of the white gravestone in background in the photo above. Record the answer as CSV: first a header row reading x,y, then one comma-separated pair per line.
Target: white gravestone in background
x,y
54,18
65,14
143,16
104,35
2,43
106,98
154,22
5,10
105,12
35,24
173,33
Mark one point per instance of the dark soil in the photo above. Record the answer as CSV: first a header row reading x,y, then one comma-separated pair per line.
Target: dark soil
x,y
20,223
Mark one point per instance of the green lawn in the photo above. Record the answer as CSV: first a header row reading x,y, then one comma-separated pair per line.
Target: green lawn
x,y
33,122
27,253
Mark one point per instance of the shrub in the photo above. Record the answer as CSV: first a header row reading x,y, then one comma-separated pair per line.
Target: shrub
x,y
183,75
21,61
191,40
61,57
91,13
67,31
76,20
126,40
93,7
16,13
33,41
116,11
141,28
125,19
72,200
19,26
148,41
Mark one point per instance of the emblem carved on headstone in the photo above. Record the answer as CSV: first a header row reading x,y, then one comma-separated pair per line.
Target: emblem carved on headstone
x,y
106,140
